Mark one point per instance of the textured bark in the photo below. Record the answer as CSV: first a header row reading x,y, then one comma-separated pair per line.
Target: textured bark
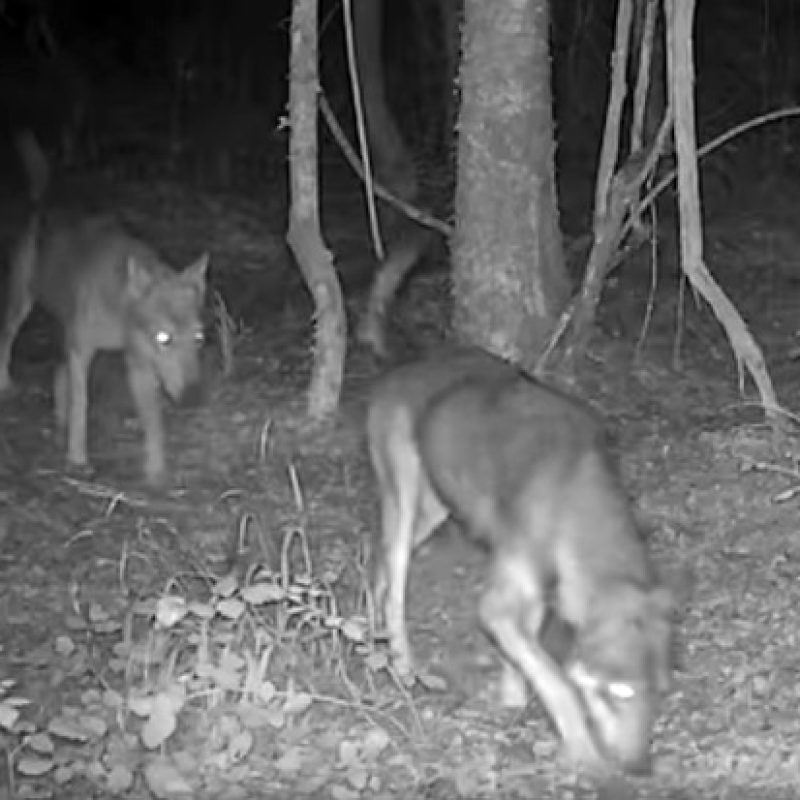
x,y
304,237
509,279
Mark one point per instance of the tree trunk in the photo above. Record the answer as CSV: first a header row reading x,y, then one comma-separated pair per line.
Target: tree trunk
x,y
393,164
304,237
679,17
450,12
509,279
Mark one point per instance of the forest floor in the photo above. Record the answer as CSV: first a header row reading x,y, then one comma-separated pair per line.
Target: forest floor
x,y
229,695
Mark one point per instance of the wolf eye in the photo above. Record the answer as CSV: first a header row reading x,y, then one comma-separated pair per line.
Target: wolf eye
x,y
621,691
617,691
163,338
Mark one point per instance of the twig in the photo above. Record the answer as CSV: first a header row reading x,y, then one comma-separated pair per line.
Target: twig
x,y
715,144
609,153
347,15
412,212
651,294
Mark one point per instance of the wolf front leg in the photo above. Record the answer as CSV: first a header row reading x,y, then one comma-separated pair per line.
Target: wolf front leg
x,y
512,608
410,513
71,404
145,390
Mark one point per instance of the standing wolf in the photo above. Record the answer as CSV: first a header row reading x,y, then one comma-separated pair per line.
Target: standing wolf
x,y
109,291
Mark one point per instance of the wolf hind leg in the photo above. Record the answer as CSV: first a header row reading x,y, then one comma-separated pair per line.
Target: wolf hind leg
x,y
20,300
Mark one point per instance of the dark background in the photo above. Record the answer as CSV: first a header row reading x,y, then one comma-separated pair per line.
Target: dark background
x,y
196,89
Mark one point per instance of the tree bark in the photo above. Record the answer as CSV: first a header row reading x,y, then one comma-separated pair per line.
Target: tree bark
x,y
509,279
304,236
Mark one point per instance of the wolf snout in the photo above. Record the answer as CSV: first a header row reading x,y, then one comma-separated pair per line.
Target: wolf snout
x,y
186,391
627,738
193,394
183,381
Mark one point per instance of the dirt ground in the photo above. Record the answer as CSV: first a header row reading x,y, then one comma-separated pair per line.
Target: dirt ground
x,y
714,487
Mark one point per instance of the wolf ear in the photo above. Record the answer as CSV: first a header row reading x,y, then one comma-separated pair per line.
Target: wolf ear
x,y
196,273
139,279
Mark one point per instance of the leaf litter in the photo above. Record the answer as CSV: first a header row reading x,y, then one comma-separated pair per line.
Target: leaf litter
x,y
270,678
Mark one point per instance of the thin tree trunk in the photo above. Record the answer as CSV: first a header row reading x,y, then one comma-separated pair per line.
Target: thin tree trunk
x,y
509,279
613,193
304,236
680,64
393,164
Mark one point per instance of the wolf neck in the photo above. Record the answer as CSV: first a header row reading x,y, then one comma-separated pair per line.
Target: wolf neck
x,y
602,547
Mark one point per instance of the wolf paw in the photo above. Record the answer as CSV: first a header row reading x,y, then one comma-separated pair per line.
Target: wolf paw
x,y
512,691
584,755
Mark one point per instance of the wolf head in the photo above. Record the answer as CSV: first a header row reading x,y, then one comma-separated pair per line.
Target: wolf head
x,y
168,332
621,666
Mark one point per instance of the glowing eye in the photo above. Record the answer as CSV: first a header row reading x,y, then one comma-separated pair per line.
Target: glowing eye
x,y
199,337
621,691
163,338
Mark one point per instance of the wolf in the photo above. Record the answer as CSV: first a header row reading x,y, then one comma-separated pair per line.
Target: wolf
x,y
109,291
525,471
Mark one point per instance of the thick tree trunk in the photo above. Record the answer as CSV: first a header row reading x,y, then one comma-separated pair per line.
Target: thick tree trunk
x,y
451,15
509,279
304,237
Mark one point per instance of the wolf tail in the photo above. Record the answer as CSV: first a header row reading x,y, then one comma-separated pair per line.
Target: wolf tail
x,y
34,162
